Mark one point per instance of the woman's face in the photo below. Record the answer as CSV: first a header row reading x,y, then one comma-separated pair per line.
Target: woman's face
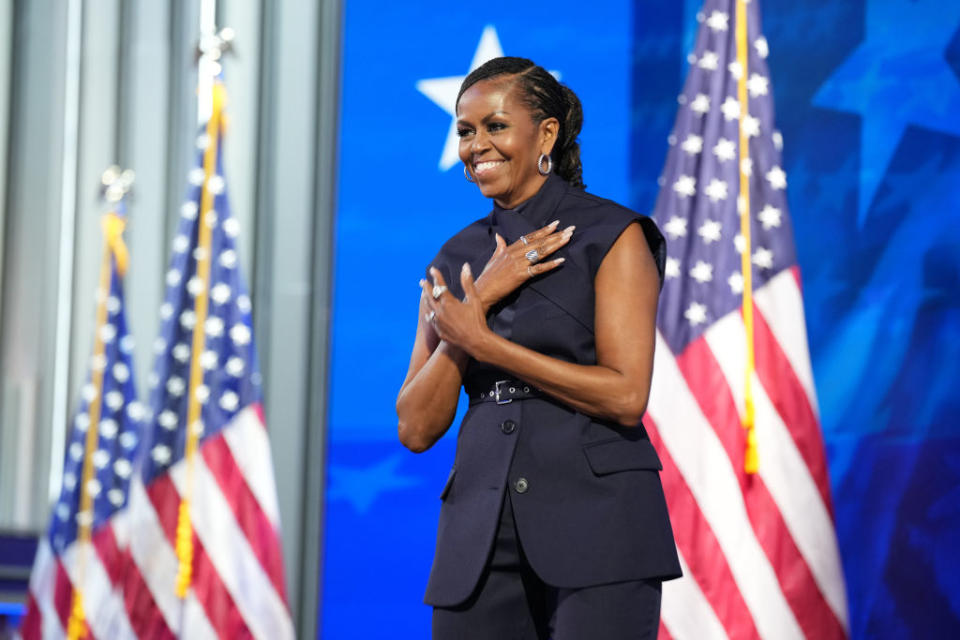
x,y
500,143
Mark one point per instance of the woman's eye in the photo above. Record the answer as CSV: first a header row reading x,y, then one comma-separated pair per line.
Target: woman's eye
x,y
463,132
496,126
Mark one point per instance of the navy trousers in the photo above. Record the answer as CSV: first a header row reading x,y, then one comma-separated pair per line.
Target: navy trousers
x,y
512,603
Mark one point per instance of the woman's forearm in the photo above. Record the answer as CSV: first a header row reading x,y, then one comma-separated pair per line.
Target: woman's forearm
x,y
595,390
427,403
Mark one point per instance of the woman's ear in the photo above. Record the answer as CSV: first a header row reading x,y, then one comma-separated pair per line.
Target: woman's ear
x,y
549,129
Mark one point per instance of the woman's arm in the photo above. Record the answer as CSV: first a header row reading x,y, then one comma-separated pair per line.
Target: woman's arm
x,y
617,387
427,402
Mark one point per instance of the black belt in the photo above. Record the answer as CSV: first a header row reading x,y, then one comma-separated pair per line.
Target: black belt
x,y
503,392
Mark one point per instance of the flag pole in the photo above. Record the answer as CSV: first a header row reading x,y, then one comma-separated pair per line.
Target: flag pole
x,y
751,461
116,184
210,103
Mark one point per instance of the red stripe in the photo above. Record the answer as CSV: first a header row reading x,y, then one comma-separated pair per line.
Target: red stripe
x,y
62,594
32,625
700,548
705,380
246,509
258,408
790,400
113,560
663,634
221,610
145,617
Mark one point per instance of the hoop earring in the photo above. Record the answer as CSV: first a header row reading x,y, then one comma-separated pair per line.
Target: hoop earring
x,y
466,174
540,168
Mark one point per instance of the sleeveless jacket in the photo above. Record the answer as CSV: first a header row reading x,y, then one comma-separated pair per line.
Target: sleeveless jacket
x,y
590,509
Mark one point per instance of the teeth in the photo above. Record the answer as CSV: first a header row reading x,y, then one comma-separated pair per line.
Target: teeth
x,y
483,166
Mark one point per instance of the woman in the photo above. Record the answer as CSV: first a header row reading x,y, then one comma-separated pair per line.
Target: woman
x,y
553,521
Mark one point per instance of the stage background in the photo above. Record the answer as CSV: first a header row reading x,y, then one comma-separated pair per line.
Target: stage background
x,y
867,96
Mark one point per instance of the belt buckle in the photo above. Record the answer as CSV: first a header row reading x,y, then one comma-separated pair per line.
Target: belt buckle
x,y
496,392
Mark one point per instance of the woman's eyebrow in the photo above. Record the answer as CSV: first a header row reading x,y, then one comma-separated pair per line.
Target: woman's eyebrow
x,y
485,119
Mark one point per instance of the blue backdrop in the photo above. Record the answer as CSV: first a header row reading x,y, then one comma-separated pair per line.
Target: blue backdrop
x,y
868,99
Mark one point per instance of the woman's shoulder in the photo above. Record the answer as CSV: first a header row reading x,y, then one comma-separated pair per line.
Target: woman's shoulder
x,y
601,221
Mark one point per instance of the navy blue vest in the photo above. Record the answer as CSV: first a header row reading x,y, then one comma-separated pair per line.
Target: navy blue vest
x,y
592,509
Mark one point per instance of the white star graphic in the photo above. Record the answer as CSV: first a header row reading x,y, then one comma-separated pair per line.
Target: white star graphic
x,y
700,104
685,185
693,144
730,108
725,149
702,272
758,85
777,178
751,126
763,49
769,217
696,313
443,91
672,268
709,61
676,227
718,21
763,258
709,231
778,140
746,166
716,190
735,69
736,282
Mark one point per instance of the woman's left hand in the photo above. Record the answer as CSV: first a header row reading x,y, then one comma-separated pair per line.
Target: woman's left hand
x,y
460,323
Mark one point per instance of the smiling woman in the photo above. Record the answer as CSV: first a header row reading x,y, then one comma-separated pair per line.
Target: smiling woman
x,y
553,521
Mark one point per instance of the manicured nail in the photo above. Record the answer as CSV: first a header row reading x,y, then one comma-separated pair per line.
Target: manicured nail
x,y
569,229
466,268
559,260
422,282
554,223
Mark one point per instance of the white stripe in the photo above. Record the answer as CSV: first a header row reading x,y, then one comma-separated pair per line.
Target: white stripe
x,y
250,446
43,581
783,469
157,563
686,613
229,551
708,472
103,607
781,303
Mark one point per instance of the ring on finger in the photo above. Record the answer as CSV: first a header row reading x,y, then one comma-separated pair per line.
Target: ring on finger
x,y
524,240
438,290
431,316
530,271
533,256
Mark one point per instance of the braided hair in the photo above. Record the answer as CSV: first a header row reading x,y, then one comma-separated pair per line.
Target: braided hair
x,y
546,98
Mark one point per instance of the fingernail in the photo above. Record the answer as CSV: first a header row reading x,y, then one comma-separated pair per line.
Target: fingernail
x,y
422,282
559,260
569,229
466,268
554,223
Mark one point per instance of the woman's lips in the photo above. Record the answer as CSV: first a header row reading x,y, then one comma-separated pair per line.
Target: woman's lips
x,y
483,168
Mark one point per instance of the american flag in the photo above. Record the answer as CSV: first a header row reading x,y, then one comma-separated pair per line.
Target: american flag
x,y
81,559
758,550
212,454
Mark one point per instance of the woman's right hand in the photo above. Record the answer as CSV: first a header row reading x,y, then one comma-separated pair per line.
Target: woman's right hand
x,y
508,267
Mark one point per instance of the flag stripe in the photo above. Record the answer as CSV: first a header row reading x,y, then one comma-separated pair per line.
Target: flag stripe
x,y
700,457
102,605
42,588
145,617
262,607
686,614
250,445
705,562
62,594
153,552
252,521
31,625
210,592
791,402
708,385
783,469
781,298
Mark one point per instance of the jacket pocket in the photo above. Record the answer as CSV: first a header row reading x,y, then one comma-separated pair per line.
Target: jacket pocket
x,y
446,487
618,454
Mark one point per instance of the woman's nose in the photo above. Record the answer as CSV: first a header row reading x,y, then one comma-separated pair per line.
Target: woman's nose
x,y
480,142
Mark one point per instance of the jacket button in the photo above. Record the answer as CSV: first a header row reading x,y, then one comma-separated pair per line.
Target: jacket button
x,y
508,426
521,485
